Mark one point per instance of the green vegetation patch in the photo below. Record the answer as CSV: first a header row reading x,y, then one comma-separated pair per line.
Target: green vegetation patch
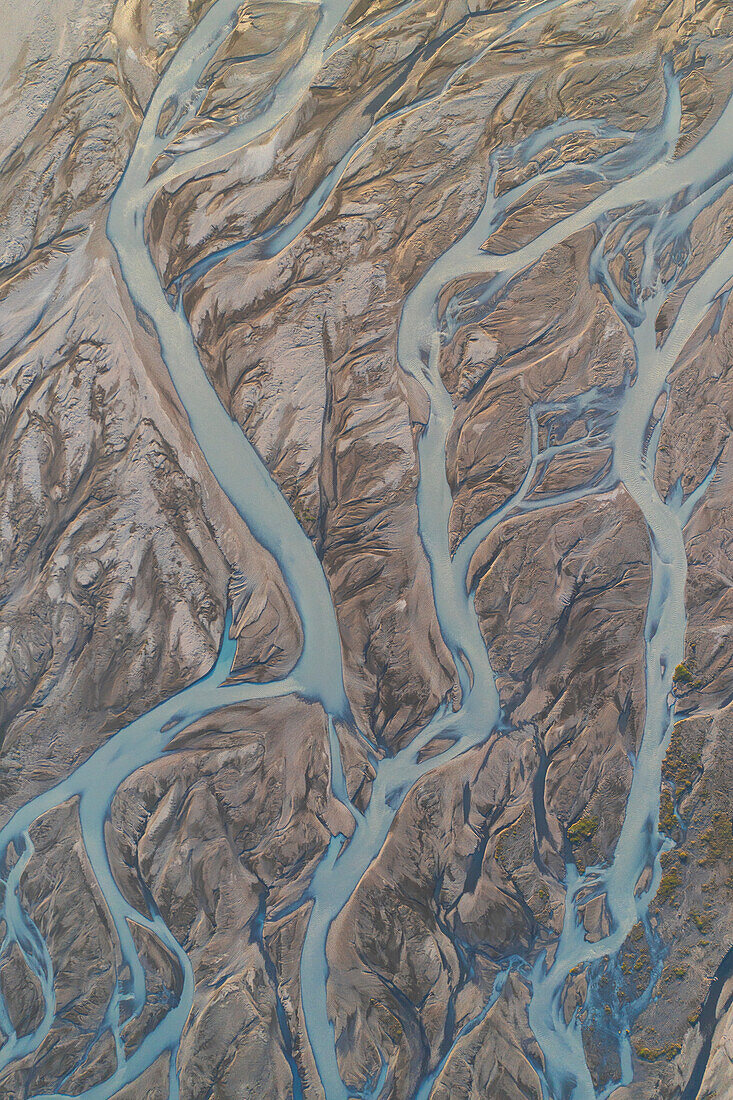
x,y
583,829
667,819
682,764
718,838
669,884
653,1054
701,920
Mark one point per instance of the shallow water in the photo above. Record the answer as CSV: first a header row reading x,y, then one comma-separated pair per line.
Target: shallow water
x,y
645,166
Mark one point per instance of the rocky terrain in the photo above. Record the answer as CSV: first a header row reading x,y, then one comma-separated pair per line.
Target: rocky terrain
x,y
366,523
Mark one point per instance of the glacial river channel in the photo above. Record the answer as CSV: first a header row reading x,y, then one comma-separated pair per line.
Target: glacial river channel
x,y
651,189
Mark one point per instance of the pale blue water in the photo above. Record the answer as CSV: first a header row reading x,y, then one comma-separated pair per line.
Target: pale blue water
x,y
643,176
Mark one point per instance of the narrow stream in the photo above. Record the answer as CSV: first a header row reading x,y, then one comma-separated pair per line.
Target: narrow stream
x,y
643,166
